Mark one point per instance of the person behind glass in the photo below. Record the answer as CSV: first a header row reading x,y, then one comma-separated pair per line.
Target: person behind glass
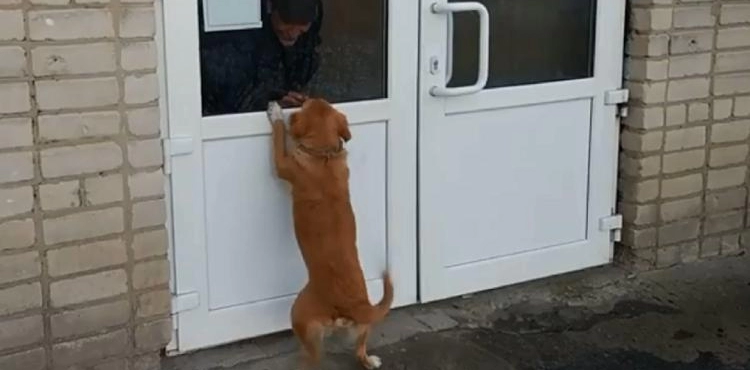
x,y
244,70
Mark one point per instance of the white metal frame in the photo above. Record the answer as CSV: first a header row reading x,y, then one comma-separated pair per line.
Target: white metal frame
x,y
607,76
187,126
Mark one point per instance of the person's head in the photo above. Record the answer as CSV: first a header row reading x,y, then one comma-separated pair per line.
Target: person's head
x,y
292,18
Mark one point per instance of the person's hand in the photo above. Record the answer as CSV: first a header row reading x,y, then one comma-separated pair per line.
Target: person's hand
x,y
275,115
293,99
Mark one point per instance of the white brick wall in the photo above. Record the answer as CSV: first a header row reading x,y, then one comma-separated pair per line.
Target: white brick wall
x,y
685,197
80,287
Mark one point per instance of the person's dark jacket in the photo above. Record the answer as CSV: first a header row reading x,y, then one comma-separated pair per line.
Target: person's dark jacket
x,y
243,70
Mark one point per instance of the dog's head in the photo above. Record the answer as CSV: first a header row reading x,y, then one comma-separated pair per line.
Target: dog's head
x,y
319,125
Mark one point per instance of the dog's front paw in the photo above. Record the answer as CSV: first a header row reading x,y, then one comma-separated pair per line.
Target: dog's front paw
x,y
372,362
274,112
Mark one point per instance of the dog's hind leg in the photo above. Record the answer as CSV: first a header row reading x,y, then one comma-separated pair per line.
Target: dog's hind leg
x,y
310,336
369,362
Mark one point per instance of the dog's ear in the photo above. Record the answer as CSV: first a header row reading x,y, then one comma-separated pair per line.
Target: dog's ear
x,y
343,128
297,125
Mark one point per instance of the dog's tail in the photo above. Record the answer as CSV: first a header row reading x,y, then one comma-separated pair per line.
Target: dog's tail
x,y
370,314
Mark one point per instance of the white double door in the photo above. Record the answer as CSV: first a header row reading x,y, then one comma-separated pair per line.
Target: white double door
x,y
502,178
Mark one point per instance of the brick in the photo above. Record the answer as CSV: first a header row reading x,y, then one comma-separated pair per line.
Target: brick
x,y
16,201
16,234
83,225
21,332
639,214
51,2
144,121
722,109
15,132
685,138
641,141
691,42
646,69
683,161
154,303
689,252
676,115
150,244
694,16
116,364
726,200
86,257
78,125
139,55
642,191
733,38
137,22
645,118
643,259
73,59
145,153
742,106
694,88
88,288
668,256
730,132
90,319
146,184
70,24
679,232
19,267
141,89
150,274
730,244
81,159
150,361
711,247
698,112
649,45
648,19
34,359
728,155
102,190
735,13
14,61
681,209
732,61
20,298
647,92
90,349
59,196
640,167
90,93
21,165
690,65
14,97
726,178
149,213
682,186
639,238
153,335
730,84
11,25
724,222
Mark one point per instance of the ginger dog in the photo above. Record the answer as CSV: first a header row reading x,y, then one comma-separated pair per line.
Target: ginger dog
x,y
335,294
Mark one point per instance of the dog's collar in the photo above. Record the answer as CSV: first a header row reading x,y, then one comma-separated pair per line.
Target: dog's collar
x,y
325,153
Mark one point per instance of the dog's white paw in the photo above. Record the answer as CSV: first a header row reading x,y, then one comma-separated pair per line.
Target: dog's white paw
x,y
274,112
373,362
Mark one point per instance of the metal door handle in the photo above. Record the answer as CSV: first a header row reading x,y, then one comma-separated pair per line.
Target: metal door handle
x,y
484,47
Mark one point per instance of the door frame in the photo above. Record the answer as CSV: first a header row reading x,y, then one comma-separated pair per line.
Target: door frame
x,y
182,152
603,157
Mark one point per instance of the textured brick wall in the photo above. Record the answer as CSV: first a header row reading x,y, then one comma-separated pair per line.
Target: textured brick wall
x,y
684,161
83,268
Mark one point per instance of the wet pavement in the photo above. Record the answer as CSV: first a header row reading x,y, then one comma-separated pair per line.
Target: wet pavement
x,y
695,317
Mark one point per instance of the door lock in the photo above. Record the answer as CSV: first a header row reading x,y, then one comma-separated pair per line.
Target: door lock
x,y
434,65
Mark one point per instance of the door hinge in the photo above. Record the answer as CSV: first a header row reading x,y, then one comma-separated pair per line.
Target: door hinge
x,y
185,302
613,224
619,98
174,147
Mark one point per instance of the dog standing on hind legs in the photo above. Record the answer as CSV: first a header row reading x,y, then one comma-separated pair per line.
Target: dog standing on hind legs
x,y
335,294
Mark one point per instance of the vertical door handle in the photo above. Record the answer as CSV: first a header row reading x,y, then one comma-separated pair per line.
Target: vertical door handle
x,y
484,47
